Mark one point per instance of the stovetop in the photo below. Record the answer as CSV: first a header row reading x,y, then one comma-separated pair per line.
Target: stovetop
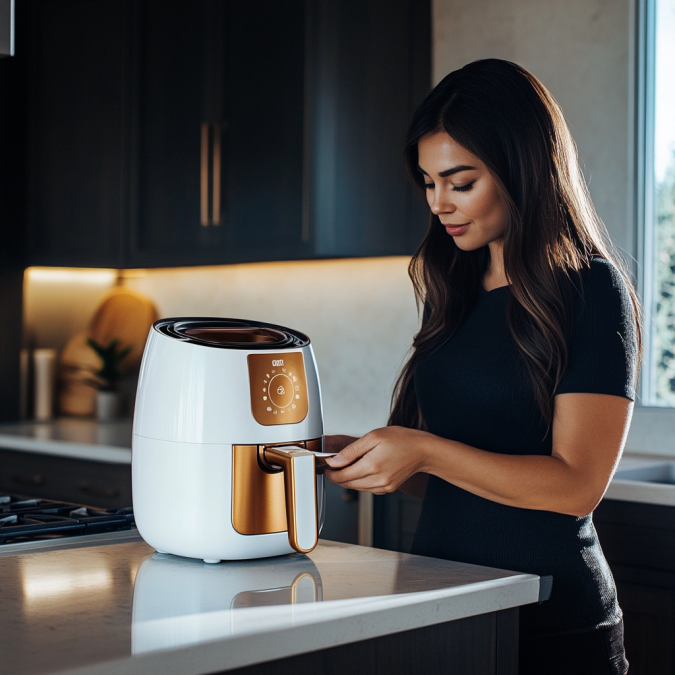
x,y
24,519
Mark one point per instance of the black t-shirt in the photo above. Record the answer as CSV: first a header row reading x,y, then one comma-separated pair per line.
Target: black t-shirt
x,y
475,389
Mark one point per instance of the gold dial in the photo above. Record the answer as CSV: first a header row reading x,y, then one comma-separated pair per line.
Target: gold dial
x,y
280,389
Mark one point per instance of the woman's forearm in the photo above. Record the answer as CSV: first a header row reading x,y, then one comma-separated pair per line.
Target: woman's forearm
x,y
526,481
589,432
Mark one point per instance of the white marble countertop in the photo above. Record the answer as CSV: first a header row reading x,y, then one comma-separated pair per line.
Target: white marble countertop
x,y
70,437
121,608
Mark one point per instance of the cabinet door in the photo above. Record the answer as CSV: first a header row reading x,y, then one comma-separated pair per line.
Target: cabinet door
x,y
639,543
12,140
370,70
219,132
96,484
649,627
77,54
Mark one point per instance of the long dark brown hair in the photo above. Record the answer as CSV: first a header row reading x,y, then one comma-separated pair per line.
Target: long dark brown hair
x,y
505,116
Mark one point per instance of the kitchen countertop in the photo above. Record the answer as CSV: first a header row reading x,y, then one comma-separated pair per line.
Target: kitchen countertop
x,y
121,608
78,438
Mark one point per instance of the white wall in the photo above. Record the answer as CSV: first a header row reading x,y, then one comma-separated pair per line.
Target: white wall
x,y
580,50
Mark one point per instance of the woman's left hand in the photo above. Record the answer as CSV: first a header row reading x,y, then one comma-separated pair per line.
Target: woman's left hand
x,y
380,461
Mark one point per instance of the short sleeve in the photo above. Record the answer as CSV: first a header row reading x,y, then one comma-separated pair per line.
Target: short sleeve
x,y
602,343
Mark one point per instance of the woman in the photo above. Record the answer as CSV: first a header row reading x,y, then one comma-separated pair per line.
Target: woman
x,y
512,411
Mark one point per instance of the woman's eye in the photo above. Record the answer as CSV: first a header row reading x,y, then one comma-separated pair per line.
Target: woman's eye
x,y
429,186
463,188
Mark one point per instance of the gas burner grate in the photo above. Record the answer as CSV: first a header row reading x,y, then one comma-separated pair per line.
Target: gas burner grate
x,y
24,519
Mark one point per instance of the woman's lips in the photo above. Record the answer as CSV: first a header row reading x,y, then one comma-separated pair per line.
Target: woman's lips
x,y
456,230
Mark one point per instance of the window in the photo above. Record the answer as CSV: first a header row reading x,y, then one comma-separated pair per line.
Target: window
x,y
658,200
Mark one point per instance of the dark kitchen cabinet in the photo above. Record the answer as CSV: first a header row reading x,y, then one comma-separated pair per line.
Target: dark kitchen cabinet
x,y
76,76
217,131
220,132
99,484
395,518
486,644
12,135
639,543
370,70
342,514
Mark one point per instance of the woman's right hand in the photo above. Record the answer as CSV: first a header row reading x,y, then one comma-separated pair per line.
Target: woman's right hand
x,y
415,486
337,442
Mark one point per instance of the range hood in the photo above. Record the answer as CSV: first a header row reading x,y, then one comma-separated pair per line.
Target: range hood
x,y
6,27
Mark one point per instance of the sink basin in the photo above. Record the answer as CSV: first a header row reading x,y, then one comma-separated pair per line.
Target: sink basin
x,y
662,473
646,481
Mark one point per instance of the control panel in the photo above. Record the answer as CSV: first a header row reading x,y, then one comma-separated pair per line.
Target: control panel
x,y
278,388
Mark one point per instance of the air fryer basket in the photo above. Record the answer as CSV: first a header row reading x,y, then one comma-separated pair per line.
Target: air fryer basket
x,y
231,333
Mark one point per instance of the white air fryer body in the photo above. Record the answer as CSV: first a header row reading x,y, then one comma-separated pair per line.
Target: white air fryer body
x,y
194,403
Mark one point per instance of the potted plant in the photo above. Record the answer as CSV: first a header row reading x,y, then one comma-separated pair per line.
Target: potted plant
x,y
107,377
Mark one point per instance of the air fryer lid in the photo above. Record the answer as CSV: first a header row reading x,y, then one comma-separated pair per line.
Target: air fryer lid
x,y
231,333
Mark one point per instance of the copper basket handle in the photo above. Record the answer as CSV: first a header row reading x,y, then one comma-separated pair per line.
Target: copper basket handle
x,y
300,491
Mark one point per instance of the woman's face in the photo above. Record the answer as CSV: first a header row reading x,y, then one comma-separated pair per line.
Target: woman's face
x,y
461,192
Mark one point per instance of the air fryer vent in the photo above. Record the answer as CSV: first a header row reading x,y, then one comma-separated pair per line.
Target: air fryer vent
x,y
231,333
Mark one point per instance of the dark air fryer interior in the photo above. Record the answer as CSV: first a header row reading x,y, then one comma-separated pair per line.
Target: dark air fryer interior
x,y
231,333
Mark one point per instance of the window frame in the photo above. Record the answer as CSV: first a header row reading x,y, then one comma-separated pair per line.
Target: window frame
x,y
652,430
642,146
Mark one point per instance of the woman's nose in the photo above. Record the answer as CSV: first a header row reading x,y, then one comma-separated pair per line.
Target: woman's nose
x,y
440,204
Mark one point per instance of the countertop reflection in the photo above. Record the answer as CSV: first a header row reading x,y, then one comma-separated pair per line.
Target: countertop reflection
x,y
99,609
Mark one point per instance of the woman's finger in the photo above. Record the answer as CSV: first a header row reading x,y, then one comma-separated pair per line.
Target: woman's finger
x,y
353,451
357,471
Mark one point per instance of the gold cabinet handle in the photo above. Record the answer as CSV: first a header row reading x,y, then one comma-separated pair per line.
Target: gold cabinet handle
x,y
204,175
217,137
210,133
300,492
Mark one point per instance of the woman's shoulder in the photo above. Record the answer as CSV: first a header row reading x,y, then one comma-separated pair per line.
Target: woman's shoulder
x,y
601,290
602,274
601,282
602,338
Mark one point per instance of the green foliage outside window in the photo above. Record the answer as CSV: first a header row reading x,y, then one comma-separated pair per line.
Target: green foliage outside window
x,y
664,319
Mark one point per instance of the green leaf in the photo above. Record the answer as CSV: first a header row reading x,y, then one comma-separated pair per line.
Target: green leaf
x,y
111,358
